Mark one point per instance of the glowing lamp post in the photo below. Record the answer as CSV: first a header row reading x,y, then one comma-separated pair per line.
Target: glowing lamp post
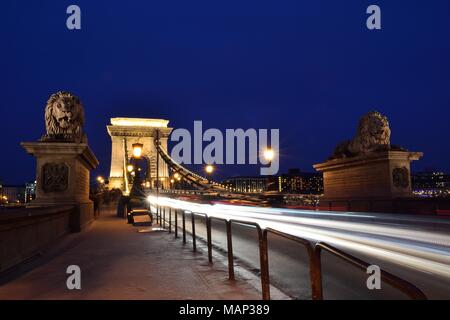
x,y
269,154
134,170
137,150
209,169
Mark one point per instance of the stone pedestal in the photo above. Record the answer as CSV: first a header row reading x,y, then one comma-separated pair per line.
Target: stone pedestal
x,y
62,178
377,175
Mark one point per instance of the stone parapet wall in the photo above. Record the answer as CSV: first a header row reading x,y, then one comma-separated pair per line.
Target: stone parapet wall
x,y
25,232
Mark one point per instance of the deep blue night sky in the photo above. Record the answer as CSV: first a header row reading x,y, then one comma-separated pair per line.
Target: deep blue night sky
x,y
310,68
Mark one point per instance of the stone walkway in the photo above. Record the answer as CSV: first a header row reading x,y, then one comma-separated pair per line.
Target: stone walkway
x,y
117,262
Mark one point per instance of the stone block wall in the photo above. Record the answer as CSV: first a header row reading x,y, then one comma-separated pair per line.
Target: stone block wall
x,y
25,232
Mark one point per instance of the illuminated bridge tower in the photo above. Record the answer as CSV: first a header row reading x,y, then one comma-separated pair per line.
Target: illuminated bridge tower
x,y
124,133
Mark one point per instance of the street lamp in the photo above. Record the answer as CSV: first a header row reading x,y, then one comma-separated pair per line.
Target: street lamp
x,y
137,150
269,154
209,169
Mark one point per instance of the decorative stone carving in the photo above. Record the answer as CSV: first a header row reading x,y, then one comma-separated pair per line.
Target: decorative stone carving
x,y
64,161
55,177
64,119
373,134
400,177
368,167
126,131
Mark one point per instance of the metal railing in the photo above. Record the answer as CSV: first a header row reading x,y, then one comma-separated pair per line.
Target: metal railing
x,y
314,251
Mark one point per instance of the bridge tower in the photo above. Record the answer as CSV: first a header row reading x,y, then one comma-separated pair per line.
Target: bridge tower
x,y
124,133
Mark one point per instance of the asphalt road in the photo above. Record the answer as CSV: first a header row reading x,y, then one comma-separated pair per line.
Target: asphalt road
x,y
423,241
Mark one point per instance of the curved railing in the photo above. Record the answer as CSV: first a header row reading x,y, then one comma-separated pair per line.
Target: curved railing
x,y
314,251
186,173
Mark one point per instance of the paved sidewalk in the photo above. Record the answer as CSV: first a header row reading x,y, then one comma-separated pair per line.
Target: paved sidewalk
x,y
117,262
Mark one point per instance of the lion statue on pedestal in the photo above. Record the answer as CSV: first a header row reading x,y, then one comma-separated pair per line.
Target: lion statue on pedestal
x,y
64,119
373,134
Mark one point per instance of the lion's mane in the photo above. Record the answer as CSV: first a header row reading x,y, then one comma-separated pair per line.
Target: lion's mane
x,y
373,134
65,123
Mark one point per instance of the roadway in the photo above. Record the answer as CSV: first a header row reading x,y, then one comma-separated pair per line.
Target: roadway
x,y
414,248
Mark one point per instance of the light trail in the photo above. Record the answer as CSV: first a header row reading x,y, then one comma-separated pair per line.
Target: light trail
x,y
421,250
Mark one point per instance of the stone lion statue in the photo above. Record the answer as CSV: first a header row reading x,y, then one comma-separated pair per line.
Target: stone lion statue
x,y
373,134
64,118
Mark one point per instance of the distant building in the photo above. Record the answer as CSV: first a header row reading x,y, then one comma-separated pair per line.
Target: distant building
x,y
299,182
30,191
12,194
431,184
247,184
294,181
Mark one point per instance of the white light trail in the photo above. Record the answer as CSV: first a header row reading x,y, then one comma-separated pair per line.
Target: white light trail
x,y
422,250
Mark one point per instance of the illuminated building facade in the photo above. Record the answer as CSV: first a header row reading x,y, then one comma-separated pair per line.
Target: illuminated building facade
x,y
299,182
294,181
431,184
247,184
12,194
30,191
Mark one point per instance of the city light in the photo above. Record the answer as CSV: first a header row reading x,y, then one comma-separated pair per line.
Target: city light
x,y
137,150
209,169
130,168
269,154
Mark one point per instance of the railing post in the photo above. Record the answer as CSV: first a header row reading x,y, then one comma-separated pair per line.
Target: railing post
x,y
184,227
164,218
264,263
176,223
315,270
194,244
158,214
208,237
170,220
230,252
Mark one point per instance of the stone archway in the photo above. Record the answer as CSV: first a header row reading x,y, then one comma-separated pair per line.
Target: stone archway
x,y
126,131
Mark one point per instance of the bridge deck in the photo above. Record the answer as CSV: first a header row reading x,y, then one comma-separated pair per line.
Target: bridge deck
x,y
117,262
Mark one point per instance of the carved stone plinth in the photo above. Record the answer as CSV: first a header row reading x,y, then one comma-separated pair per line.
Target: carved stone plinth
x,y
376,175
63,176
